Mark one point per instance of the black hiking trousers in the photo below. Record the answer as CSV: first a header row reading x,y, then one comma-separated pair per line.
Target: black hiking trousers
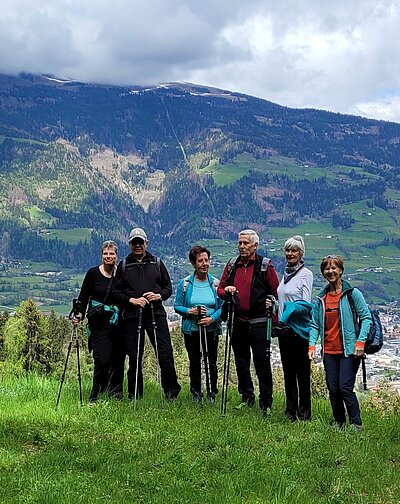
x,y
247,339
129,330
296,372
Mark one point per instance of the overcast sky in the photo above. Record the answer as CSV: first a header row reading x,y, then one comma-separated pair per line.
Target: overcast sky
x,y
338,55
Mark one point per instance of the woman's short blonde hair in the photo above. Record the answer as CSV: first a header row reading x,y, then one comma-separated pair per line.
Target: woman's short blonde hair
x,y
109,244
295,242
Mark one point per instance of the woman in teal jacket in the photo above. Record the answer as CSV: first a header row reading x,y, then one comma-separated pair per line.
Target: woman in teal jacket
x,y
338,311
197,302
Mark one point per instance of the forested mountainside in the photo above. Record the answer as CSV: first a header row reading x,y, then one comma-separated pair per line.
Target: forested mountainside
x,y
79,162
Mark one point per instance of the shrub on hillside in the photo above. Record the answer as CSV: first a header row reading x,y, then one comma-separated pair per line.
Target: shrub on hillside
x,y
385,399
318,382
35,342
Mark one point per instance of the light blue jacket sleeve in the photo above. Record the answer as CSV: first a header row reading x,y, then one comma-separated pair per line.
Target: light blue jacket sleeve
x,y
179,301
363,313
217,314
315,330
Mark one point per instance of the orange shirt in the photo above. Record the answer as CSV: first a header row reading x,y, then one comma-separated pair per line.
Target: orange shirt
x,y
332,340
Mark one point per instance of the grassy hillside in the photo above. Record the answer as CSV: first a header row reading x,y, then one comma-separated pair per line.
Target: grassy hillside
x,y
183,453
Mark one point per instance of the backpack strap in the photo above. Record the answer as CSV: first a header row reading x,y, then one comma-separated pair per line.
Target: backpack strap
x,y
266,261
230,268
353,311
185,283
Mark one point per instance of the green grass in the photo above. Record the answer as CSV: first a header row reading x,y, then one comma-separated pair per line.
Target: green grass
x,y
39,216
224,174
185,453
227,173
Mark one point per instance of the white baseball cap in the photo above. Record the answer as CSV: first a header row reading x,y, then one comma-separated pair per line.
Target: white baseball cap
x,y
137,233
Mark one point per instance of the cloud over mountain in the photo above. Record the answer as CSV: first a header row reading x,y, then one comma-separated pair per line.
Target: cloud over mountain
x,y
340,56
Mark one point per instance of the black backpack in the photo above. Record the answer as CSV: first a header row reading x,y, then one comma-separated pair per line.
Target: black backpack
x,y
266,261
374,341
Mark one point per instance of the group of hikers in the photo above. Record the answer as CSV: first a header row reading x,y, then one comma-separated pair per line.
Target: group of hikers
x,y
122,303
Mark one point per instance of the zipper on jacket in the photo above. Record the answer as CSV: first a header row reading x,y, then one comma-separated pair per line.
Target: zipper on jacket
x,y
323,326
341,327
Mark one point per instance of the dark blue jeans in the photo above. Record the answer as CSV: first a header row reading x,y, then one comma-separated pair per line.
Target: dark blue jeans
x,y
248,339
341,374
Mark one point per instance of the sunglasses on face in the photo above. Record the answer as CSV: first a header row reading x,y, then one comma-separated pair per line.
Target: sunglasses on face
x,y
137,242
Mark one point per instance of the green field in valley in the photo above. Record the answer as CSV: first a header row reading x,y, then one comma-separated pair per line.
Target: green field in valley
x,y
228,173
73,235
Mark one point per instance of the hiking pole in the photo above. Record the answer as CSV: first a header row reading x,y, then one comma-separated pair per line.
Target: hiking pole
x,y
204,354
74,337
206,359
201,356
364,372
153,323
227,355
79,364
139,330
269,327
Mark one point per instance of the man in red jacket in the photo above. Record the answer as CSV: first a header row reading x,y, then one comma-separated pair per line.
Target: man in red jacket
x,y
252,278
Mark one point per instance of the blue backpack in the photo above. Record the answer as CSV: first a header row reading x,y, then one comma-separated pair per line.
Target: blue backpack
x,y
374,341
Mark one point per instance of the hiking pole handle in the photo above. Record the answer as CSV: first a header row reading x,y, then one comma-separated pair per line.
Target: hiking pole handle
x,y
201,312
270,302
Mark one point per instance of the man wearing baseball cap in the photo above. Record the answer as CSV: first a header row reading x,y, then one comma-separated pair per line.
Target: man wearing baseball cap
x,y
142,284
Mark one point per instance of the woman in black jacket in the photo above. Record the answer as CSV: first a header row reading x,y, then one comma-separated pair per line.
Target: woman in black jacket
x,y
94,300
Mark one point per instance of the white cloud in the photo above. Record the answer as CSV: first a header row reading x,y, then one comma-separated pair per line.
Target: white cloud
x,y
387,109
340,56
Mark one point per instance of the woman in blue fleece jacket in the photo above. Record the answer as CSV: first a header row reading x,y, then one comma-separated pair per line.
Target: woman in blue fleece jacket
x,y
197,302
342,342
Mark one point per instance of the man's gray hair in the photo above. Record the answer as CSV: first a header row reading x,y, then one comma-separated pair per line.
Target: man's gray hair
x,y
250,232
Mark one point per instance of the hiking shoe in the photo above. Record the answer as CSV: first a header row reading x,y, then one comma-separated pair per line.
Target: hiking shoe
x,y
211,398
266,412
131,397
244,404
338,426
197,398
355,427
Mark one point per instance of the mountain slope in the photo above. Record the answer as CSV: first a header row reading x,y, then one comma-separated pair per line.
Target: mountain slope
x,y
185,161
